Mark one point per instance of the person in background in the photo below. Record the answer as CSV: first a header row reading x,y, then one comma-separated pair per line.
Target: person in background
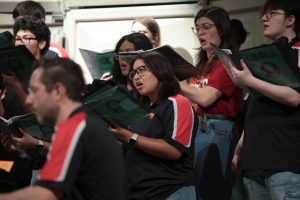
x,y
35,35
130,42
240,35
78,165
24,8
149,27
271,170
159,147
216,101
239,31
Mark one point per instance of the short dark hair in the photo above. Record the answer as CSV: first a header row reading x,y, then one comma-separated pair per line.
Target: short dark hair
x,y
29,8
65,71
37,27
239,32
290,7
161,68
140,42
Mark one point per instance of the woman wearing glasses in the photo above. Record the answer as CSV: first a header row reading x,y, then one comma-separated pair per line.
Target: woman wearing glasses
x,y
35,35
271,142
130,42
159,147
216,101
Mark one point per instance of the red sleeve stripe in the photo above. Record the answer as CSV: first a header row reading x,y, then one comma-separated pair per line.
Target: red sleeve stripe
x,y
71,150
183,120
63,148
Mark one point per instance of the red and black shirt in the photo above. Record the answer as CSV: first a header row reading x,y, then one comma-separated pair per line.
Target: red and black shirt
x,y
85,160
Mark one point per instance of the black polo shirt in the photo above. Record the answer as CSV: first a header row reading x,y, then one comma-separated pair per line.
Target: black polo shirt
x,y
151,177
85,160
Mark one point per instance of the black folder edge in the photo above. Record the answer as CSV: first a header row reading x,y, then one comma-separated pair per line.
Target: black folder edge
x,y
23,49
182,68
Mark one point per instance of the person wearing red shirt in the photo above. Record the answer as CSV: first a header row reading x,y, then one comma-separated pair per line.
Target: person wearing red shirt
x,y
216,101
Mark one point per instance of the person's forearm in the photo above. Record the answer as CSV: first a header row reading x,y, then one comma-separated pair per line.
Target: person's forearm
x,y
281,94
202,96
157,147
31,193
239,145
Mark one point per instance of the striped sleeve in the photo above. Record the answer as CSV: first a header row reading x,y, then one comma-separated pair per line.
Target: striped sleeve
x,y
183,120
62,149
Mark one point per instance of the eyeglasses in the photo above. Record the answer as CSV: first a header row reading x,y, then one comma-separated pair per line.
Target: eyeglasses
x,y
140,71
271,13
203,27
24,41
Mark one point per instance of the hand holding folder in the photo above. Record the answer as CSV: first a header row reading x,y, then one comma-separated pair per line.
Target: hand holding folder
x,y
115,105
274,63
17,60
29,124
182,68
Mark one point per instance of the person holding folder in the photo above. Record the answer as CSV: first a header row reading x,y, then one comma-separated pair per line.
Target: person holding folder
x,y
216,101
268,151
85,161
34,34
130,42
158,149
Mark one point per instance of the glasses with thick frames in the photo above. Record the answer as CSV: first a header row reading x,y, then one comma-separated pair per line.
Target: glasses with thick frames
x,y
203,27
271,13
24,41
140,71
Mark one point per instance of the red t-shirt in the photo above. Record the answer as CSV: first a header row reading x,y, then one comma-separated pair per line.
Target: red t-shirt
x,y
228,103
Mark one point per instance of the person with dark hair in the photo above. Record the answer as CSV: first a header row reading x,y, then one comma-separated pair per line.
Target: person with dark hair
x,y
216,101
35,9
35,35
239,32
271,170
159,148
149,27
40,31
78,165
130,42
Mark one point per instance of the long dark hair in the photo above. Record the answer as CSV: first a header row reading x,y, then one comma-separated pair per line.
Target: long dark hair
x,y
222,22
161,68
140,42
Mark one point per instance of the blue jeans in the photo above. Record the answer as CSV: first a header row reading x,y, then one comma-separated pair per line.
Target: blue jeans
x,y
184,193
279,186
213,153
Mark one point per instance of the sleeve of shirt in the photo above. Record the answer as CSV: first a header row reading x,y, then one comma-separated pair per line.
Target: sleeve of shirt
x,y
220,80
178,123
65,155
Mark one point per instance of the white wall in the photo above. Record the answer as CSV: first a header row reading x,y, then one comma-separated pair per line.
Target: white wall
x,y
249,13
100,29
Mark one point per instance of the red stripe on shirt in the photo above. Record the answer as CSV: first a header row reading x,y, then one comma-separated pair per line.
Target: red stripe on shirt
x,y
62,148
183,120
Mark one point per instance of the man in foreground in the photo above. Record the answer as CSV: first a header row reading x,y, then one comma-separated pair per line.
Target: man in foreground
x,y
85,160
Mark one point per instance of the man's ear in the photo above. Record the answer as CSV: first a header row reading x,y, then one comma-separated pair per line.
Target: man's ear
x,y
58,91
42,44
291,21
